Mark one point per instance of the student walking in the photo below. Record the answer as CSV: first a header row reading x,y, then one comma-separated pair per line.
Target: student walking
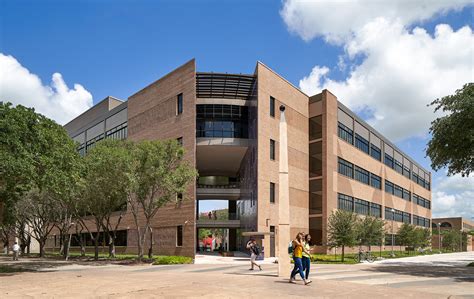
x,y
252,246
306,260
298,250
16,251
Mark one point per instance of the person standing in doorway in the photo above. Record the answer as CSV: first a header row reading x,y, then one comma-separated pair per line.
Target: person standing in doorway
x,y
298,249
306,256
252,246
16,251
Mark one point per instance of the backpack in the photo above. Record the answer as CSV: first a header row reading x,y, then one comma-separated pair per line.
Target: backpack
x,y
290,247
256,249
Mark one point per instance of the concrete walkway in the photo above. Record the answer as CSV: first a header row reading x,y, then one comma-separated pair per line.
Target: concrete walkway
x,y
234,280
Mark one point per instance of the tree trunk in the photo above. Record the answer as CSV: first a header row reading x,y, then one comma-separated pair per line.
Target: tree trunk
x,y
140,245
96,247
150,250
342,256
83,250
41,245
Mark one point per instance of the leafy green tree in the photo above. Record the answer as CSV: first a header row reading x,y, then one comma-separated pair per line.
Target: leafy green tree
x,y
452,144
19,147
107,182
38,160
451,239
406,234
421,238
370,231
342,230
160,174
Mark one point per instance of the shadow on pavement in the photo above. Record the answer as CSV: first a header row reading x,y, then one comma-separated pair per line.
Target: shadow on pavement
x,y
457,273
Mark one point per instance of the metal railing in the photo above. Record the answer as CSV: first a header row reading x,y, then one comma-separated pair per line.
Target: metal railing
x,y
213,217
235,185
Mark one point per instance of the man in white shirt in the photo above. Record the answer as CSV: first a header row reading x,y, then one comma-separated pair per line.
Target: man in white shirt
x,y
16,251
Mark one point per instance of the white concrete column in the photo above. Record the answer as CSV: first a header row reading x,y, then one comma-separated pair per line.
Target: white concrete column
x,y
284,265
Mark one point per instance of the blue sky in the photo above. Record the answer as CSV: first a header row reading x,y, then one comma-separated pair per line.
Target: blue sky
x,y
118,47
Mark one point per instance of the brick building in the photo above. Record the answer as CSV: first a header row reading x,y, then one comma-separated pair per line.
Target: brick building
x,y
228,124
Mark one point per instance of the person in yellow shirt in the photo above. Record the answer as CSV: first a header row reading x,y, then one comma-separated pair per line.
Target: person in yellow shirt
x,y
298,249
306,260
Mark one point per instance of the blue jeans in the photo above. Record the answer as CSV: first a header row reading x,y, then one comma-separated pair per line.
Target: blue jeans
x,y
298,268
306,265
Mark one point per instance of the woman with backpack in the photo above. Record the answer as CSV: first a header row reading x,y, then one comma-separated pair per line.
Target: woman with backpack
x,y
298,249
306,256
252,246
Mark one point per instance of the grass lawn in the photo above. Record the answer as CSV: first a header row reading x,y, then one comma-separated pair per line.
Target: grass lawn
x,y
156,260
349,257
10,269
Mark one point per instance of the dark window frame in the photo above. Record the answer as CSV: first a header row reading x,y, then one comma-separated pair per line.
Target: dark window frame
x,y
272,192
272,106
179,104
272,150
179,236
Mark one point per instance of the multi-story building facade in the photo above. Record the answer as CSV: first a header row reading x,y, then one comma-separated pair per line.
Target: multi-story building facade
x,y
228,125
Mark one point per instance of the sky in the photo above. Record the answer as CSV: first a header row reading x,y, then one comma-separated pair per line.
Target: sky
x,y
386,60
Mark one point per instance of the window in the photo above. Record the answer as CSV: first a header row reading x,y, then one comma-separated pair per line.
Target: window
x,y
397,215
345,133
179,104
421,201
272,149
345,202
180,141
375,181
375,210
375,152
388,187
346,168
361,175
388,161
179,236
272,192
272,106
361,143
361,206
406,171
397,191
119,132
406,194
398,167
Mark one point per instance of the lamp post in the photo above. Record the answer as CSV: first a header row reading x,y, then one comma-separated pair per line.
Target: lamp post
x,y
439,237
393,236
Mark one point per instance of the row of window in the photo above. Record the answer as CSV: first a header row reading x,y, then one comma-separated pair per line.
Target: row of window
x,y
421,201
397,215
396,190
359,206
421,221
119,132
363,207
375,152
355,172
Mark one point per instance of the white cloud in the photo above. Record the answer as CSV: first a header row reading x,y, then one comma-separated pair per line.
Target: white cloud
x,y
453,197
402,72
56,101
336,20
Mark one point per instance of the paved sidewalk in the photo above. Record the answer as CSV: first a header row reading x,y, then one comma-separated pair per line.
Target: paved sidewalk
x,y
234,280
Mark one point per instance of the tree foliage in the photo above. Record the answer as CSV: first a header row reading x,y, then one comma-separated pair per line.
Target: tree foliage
x,y
160,174
342,230
452,144
370,231
413,236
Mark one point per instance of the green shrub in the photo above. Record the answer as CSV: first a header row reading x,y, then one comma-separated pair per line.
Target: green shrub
x,y
172,260
470,264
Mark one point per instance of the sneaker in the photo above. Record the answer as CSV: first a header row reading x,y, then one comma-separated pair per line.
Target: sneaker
x,y
260,267
292,280
250,269
306,282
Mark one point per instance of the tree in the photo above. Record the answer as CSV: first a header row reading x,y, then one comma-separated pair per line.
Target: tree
x,y
341,230
39,177
452,144
370,231
107,181
451,239
406,234
159,175
19,143
422,237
